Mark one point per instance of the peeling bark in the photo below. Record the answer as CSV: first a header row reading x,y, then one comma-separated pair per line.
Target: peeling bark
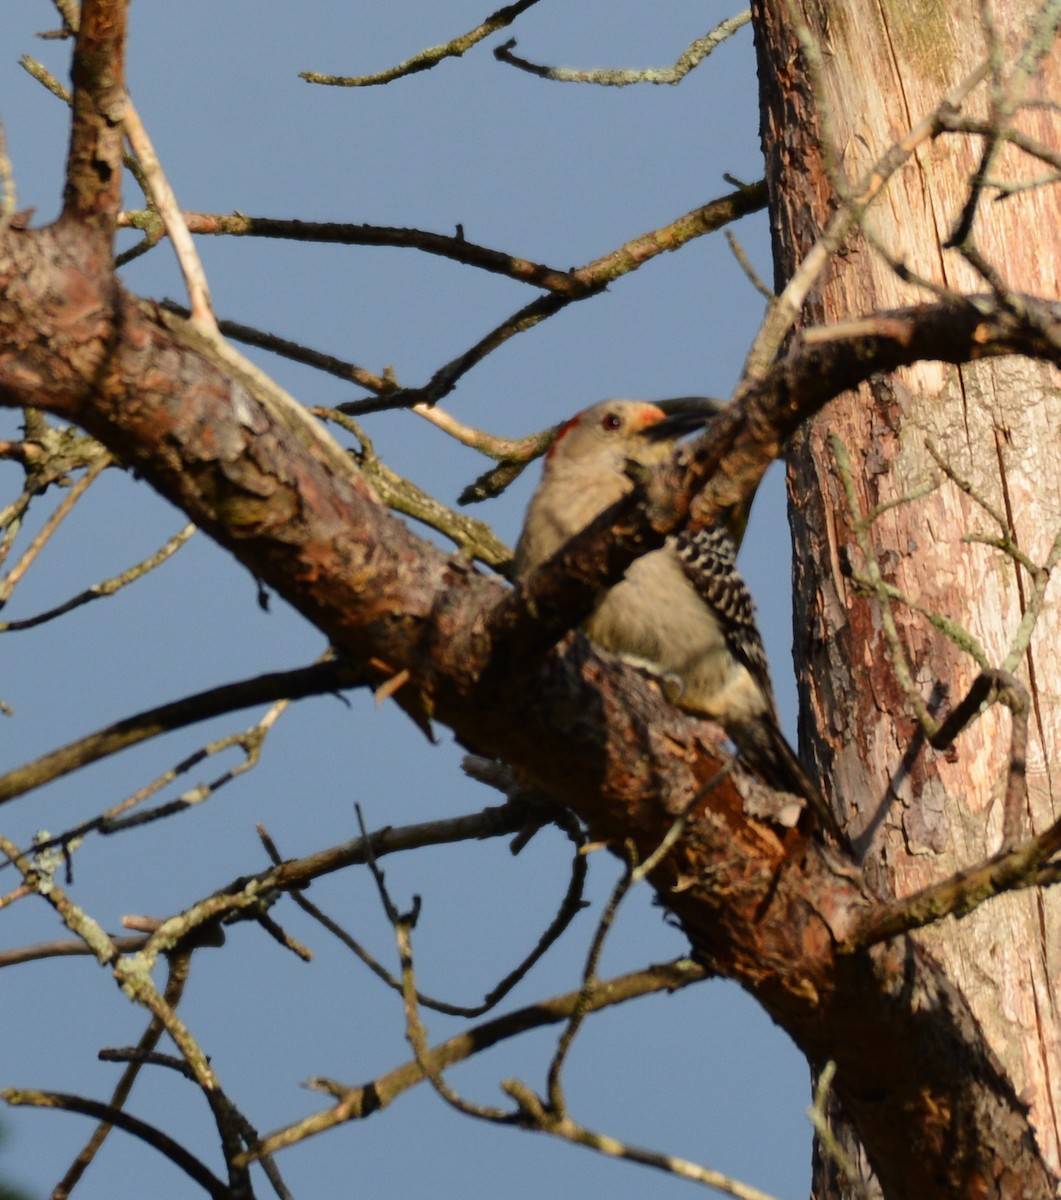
x,y
768,906
916,814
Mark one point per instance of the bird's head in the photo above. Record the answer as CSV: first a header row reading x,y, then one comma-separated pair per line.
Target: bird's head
x,y
594,461
621,432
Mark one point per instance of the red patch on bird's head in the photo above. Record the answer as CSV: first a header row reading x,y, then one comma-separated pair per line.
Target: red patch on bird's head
x,y
561,433
623,416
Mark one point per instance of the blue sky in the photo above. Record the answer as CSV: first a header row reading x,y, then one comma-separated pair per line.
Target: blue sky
x,y
553,172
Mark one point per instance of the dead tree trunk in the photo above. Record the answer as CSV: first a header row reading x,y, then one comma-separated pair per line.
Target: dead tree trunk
x,y
915,813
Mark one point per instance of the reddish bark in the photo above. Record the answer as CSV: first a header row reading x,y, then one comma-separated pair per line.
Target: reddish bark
x,y
766,906
918,815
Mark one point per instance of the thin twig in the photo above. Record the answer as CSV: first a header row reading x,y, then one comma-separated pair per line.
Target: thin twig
x,y
570,906
165,200
68,947
175,983
295,351
8,188
997,687
148,1134
744,262
62,511
356,1103
474,539
689,60
250,741
590,982
592,278
415,1032
827,1142
430,57
1025,865
875,581
455,247
1004,101
786,308
132,972
107,587
603,1143
303,681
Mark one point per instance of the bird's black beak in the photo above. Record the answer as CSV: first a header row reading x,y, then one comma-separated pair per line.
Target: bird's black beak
x,y
685,414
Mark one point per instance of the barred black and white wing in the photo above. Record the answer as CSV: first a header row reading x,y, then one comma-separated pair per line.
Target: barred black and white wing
x,y
709,558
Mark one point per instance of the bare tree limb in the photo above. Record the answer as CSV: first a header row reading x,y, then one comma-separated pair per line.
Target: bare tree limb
x,y
303,681
112,1115
355,1103
430,57
693,56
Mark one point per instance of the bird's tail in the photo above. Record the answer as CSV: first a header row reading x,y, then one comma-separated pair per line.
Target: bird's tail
x,y
765,749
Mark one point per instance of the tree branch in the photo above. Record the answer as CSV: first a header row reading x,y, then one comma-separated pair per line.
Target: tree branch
x,y
112,1115
355,1103
302,681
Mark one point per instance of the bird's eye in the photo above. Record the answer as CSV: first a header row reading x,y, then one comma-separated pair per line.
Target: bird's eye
x,y
611,420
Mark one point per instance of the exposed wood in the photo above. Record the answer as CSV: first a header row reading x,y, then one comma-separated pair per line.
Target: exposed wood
x,y
919,814
766,905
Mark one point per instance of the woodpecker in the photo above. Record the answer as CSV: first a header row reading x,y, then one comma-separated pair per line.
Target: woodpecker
x,y
682,612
